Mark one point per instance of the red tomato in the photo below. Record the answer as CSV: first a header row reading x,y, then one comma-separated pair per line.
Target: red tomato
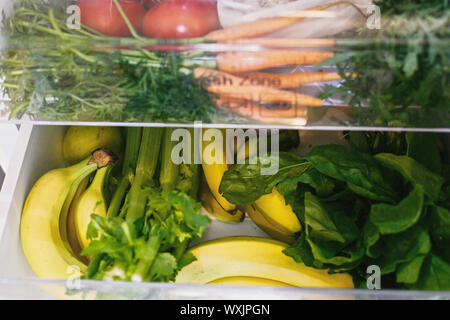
x,y
149,3
103,16
175,19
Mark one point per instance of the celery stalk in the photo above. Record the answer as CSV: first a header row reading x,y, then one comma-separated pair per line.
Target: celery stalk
x,y
145,170
133,143
169,170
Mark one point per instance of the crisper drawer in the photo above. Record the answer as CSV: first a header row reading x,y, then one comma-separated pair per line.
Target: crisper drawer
x,y
38,150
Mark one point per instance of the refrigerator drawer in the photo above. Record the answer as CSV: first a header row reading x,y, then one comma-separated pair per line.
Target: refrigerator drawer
x,y
37,151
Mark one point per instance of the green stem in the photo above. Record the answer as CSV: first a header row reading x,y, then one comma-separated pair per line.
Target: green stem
x,y
127,22
181,249
169,170
92,269
51,16
144,265
133,143
145,170
117,200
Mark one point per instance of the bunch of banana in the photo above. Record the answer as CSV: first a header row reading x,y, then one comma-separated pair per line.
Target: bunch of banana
x,y
44,227
254,261
216,205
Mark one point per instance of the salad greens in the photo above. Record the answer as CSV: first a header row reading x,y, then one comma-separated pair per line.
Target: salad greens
x,y
362,208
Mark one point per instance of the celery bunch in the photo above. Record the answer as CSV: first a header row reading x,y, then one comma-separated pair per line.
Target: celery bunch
x,y
150,223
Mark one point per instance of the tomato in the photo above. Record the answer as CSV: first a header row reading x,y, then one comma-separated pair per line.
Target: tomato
x,y
175,19
149,3
104,17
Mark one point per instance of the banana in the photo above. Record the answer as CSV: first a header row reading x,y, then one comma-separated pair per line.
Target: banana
x,y
214,208
41,237
214,173
79,141
249,281
255,257
279,214
270,212
92,201
71,229
272,229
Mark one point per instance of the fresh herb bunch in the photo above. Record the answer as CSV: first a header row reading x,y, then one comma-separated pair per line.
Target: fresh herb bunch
x,y
359,207
52,72
403,73
165,93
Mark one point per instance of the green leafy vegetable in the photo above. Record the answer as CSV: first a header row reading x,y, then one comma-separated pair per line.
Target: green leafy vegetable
x,y
242,184
414,172
359,207
396,218
147,241
360,171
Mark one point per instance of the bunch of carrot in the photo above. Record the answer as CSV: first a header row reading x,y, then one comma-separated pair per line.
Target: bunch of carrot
x,y
240,87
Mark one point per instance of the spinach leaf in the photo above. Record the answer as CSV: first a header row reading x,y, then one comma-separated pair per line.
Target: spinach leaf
x,y
403,247
397,218
413,172
409,272
360,171
440,230
435,274
423,147
243,184
331,234
301,252
322,184
319,224
371,237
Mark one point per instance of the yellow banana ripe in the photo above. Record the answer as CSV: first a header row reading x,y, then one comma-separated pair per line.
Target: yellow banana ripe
x,y
255,257
249,281
270,212
214,173
71,229
272,229
275,210
92,201
214,208
41,236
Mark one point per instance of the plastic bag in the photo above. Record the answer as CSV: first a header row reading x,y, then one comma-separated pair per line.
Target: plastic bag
x,y
339,18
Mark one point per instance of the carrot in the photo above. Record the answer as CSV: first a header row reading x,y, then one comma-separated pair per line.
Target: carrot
x,y
263,114
225,84
236,62
265,26
288,80
284,42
